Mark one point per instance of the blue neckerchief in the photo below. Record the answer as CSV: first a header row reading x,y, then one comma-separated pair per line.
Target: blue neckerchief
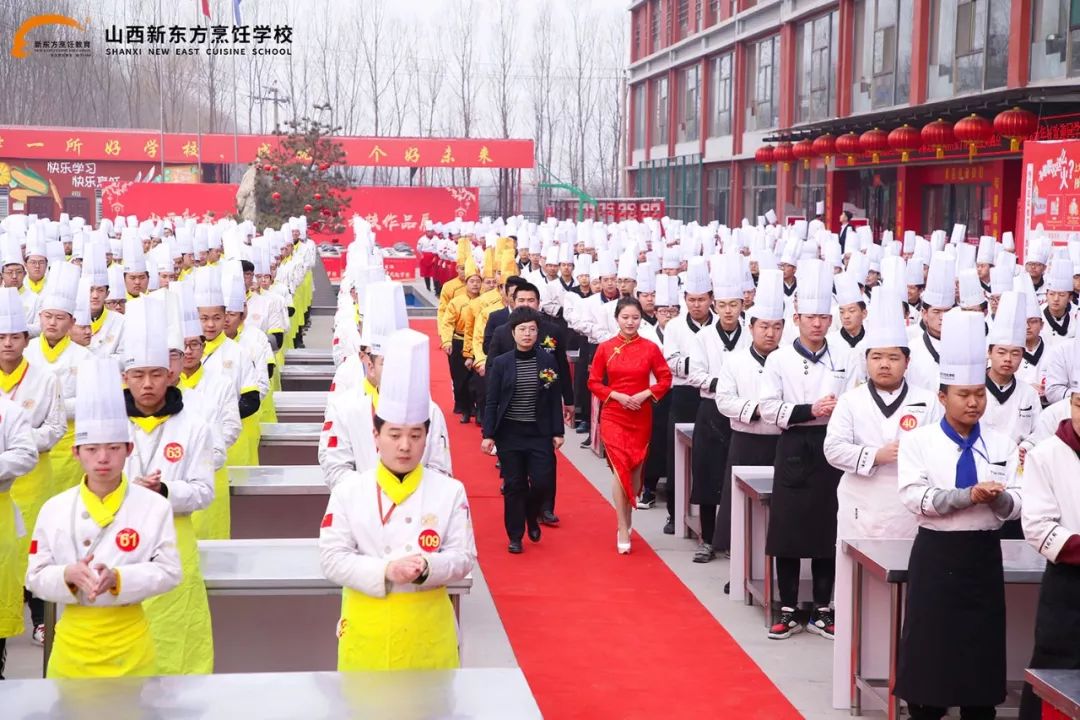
x,y
967,474
811,356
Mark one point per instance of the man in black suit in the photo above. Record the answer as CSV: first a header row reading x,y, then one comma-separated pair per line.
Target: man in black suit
x,y
500,316
523,419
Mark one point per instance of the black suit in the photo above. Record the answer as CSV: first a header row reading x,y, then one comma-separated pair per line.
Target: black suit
x,y
526,452
844,229
495,319
502,341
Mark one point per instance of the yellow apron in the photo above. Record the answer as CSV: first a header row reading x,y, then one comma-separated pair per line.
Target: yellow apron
x,y
267,410
29,492
215,522
250,434
66,470
180,619
100,642
403,631
11,582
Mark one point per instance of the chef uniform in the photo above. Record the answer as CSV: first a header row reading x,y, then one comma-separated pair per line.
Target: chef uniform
x,y
1059,278
378,517
851,348
107,327
255,344
389,297
31,291
940,292
266,310
709,350
866,419
1051,520
130,531
17,457
678,343
802,522
1032,368
1012,409
452,337
952,649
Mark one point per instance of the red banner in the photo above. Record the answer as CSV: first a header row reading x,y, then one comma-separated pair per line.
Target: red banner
x,y
83,144
1051,188
204,201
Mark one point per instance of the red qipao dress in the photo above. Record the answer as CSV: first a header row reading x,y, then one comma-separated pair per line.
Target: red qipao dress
x,y
625,366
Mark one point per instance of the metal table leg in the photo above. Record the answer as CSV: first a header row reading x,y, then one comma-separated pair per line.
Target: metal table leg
x,y
856,639
748,542
768,580
50,629
896,625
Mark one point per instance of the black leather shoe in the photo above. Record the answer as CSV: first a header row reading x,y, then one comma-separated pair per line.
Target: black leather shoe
x,y
515,547
549,518
586,443
465,419
534,533
669,526
582,428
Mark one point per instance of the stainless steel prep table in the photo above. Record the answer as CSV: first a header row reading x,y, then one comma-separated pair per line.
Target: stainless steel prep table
x,y
1060,689
300,405
289,443
501,694
887,561
277,501
307,377
308,356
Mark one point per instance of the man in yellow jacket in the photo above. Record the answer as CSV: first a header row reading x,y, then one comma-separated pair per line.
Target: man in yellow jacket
x,y
452,337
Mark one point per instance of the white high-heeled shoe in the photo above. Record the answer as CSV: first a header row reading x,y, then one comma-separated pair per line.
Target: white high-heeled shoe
x,y
622,547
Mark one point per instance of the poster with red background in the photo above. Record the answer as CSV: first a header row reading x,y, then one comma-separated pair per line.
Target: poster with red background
x,y
1051,188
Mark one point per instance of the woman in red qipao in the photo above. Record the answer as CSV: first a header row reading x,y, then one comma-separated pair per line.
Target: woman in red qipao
x,y
619,377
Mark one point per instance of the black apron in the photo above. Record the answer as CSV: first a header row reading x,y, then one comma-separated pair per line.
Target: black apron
x,y
684,404
708,457
802,510
1057,630
659,440
744,449
952,648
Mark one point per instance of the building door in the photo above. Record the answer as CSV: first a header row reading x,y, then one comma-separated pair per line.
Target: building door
x,y
968,204
41,205
78,207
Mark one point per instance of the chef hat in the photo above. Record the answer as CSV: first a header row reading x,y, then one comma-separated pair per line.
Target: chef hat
x,y
391,315
145,341
12,313
971,291
404,391
813,291
987,250
886,324
667,291
847,289
189,313
915,271
208,291
672,258
858,267
819,207
769,298
582,265
627,266
174,315
1001,277
727,277
770,216
61,286
35,243
10,251
697,277
1010,322
963,348
1038,250
833,253
1059,276
134,257
1007,242
893,269
646,279
940,290
100,412
965,256
81,313
117,286
233,288
551,255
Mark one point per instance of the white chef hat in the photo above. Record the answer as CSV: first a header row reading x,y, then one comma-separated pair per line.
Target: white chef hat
x,y
233,288
117,286
1009,327
1007,242
627,269
958,235
667,291
697,276
389,298
174,314
893,271
1023,285
727,282
551,255
1038,250
61,286
965,256
145,341
769,298
10,251
987,250
189,313
847,289
672,258
885,323
12,313
1001,277
963,348
1059,276
646,279
940,290
81,313
582,265
404,391
813,290
605,265
770,216
134,257
971,291
208,292
100,411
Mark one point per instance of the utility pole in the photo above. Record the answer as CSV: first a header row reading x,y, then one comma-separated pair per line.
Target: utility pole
x,y
275,98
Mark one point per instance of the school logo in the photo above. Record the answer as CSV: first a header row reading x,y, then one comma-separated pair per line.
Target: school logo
x,y
127,539
28,404
429,540
908,422
21,47
429,520
174,452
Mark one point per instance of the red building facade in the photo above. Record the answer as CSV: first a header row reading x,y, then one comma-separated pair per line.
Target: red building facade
x,y
710,82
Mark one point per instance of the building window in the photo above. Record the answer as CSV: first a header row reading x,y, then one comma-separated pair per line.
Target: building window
x,y
763,85
639,116
635,41
660,112
717,195
654,26
808,187
971,48
699,15
759,190
967,204
683,17
721,96
882,76
659,176
685,190
1055,39
689,107
816,54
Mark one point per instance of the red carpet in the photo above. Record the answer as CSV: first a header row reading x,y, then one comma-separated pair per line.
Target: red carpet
x,y
599,635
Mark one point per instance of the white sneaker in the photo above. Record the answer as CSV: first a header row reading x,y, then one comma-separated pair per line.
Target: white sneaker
x,y
38,636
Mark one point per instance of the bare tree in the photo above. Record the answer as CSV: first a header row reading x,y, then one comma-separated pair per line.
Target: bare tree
x,y
541,90
504,90
463,57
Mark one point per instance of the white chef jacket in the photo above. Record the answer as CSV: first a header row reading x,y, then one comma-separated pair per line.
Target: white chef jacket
x,y
1031,370
923,369
854,358
349,375
346,340
267,311
1017,416
738,387
347,441
927,466
18,453
214,400
182,450
1047,422
108,340
679,342
232,361
355,546
1051,512
869,502
38,394
31,306
257,345
1066,327
66,369
65,532
790,380
1062,364
708,354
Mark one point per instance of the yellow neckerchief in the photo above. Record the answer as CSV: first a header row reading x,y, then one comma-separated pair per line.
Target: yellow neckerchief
x,y
96,325
103,510
213,345
356,314
8,381
398,490
373,393
183,273
239,332
189,382
52,354
149,424
35,287
130,296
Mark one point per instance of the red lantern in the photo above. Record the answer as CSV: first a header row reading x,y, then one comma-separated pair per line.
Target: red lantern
x,y
296,182
804,150
825,146
973,130
307,208
938,135
848,144
318,196
266,167
764,156
324,166
784,153
1016,124
905,140
276,196
874,142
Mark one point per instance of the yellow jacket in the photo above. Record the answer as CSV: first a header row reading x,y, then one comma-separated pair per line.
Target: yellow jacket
x,y
450,290
480,328
473,314
452,323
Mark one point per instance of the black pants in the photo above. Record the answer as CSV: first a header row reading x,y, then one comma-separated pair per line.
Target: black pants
x,y
459,377
37,608
582,396
527,461
478,391
823,571
929,712
684,406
